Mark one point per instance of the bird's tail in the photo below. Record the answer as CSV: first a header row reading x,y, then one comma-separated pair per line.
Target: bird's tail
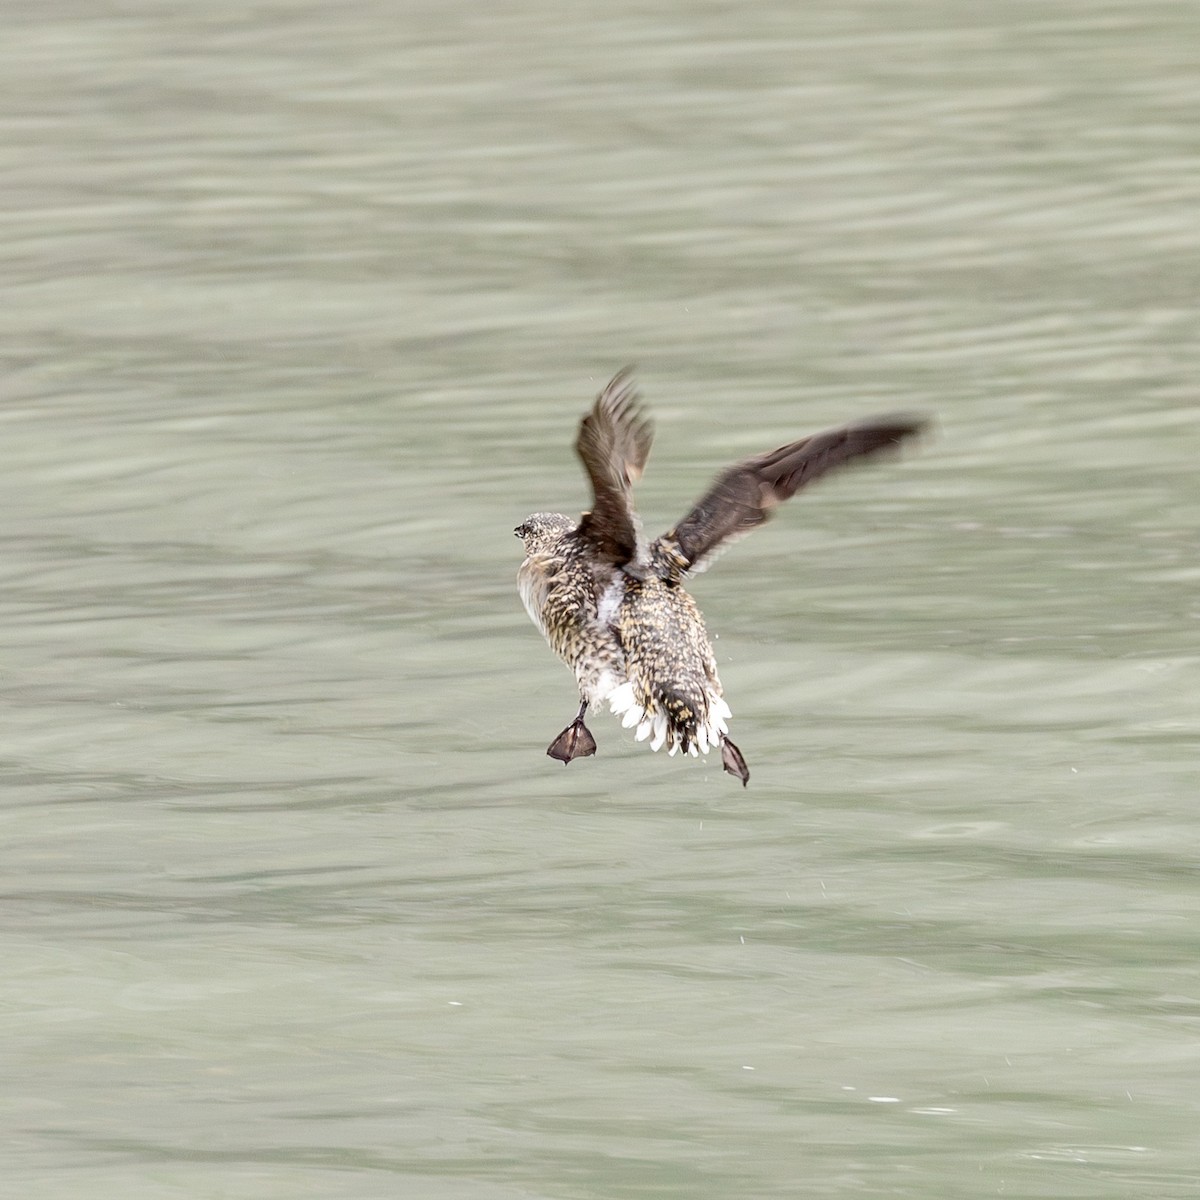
x,y
673,718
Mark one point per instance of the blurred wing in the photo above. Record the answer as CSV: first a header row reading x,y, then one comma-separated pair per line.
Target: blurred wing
x,y
743,496
613,444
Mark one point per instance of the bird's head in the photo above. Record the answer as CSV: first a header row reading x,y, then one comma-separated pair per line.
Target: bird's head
x,y
539,531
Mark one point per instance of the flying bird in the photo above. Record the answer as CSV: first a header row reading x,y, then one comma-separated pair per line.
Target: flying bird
x,y
612,605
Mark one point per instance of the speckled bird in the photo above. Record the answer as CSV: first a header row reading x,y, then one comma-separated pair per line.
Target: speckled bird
x,y
612,605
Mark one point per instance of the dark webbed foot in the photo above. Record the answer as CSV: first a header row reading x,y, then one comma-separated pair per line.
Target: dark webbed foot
x,y
733,762
575,741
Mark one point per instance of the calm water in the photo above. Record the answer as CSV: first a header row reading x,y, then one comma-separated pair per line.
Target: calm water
x,y
300,310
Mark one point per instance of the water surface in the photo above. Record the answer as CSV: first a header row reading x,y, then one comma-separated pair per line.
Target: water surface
x,y
302,309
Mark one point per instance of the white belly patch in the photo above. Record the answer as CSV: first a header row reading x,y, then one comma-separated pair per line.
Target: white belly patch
x,y
610,600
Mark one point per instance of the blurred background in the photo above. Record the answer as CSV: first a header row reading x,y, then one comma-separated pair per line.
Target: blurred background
x,y
301,305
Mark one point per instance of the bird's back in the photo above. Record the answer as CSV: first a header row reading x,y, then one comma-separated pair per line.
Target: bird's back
x,y
670,663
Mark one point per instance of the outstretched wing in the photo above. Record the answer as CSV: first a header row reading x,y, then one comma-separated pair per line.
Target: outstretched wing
x,y
613,444
743,496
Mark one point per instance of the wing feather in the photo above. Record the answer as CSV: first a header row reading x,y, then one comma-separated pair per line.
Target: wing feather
x,y
613,445
743,496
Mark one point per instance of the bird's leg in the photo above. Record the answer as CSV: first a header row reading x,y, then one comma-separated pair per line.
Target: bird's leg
x,y
575,741
733,762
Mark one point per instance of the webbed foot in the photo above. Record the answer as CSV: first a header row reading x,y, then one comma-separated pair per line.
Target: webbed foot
x,y
575,741
733,762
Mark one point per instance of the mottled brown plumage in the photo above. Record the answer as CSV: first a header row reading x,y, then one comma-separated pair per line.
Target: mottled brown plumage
x,y
613,606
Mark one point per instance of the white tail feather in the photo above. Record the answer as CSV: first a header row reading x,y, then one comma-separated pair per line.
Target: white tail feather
x,y
655,725
660,732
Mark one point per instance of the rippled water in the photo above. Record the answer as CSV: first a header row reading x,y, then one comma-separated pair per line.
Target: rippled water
x,y
301,309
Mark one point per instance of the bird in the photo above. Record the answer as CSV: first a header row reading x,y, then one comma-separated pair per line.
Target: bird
x,y
612,604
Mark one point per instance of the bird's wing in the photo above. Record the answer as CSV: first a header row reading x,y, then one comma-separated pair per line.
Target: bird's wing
x,y
613,444
744,495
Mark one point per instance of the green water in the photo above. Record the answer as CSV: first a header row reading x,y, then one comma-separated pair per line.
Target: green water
x,y
300,309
